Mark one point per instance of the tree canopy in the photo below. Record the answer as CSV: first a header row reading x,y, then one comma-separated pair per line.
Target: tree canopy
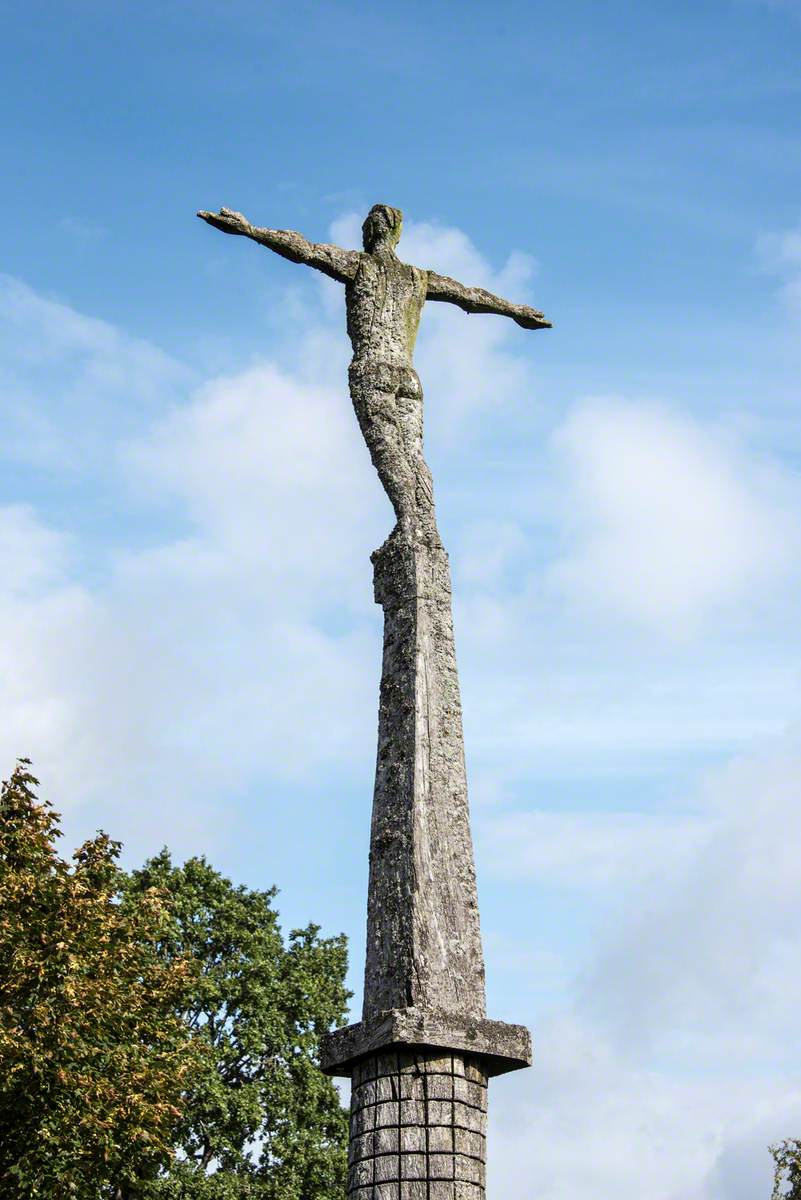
x,y
94,1056
158,1036
259,1120
787,1159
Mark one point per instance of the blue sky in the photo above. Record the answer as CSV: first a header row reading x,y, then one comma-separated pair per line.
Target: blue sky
x,y
191,651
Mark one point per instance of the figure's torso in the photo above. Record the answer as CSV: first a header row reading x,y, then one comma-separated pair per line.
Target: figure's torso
x,y
384,302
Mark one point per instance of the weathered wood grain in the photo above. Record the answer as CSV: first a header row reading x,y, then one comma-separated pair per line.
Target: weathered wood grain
x,y
421,1056
411,1131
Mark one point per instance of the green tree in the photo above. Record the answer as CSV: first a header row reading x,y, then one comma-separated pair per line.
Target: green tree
x,y
260,1121
787,1159
94,1059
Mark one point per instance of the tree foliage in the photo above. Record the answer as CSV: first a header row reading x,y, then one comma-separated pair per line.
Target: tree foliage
x,y
787,1159
94,1058
260,1120
158,1037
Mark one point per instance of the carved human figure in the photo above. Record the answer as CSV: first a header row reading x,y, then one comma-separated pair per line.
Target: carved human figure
x,y
384,300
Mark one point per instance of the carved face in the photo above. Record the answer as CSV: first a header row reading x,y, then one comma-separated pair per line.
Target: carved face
x,y
382,227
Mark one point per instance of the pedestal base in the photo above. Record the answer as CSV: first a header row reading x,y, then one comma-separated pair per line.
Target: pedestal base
x,y
417,1127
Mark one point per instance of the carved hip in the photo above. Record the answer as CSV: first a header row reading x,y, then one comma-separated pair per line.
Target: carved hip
x,y
383,375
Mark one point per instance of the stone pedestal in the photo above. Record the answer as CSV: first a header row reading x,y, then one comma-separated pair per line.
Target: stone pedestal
x,y
423,932
420,1058
418,1127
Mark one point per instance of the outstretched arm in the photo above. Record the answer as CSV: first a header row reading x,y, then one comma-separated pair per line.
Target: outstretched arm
x,y
476,300
331,260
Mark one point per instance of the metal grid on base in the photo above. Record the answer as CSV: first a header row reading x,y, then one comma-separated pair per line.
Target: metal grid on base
x,y
418,1124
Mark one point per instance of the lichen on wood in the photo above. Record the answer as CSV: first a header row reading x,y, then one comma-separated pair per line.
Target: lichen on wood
x,y
424,1022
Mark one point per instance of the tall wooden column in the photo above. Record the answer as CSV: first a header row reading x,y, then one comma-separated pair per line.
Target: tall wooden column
x,y
420,1058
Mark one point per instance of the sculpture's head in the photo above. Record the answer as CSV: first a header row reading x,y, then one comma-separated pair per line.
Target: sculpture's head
x,y
382,228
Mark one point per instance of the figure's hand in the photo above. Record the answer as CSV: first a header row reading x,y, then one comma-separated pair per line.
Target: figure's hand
x,y
227,220
530,318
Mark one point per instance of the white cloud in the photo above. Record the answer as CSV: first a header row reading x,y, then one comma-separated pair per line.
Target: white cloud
x,y
743,1168
490,549
272,471
588,1120
678,1065
706,958
587,850
32,556
667,522
781,253
73,385
81,229
242,646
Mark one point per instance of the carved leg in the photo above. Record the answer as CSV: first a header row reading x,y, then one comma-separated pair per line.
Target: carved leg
x,y
410,415
381,425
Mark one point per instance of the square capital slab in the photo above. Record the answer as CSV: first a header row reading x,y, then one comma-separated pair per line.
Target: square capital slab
x,y
500,1046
